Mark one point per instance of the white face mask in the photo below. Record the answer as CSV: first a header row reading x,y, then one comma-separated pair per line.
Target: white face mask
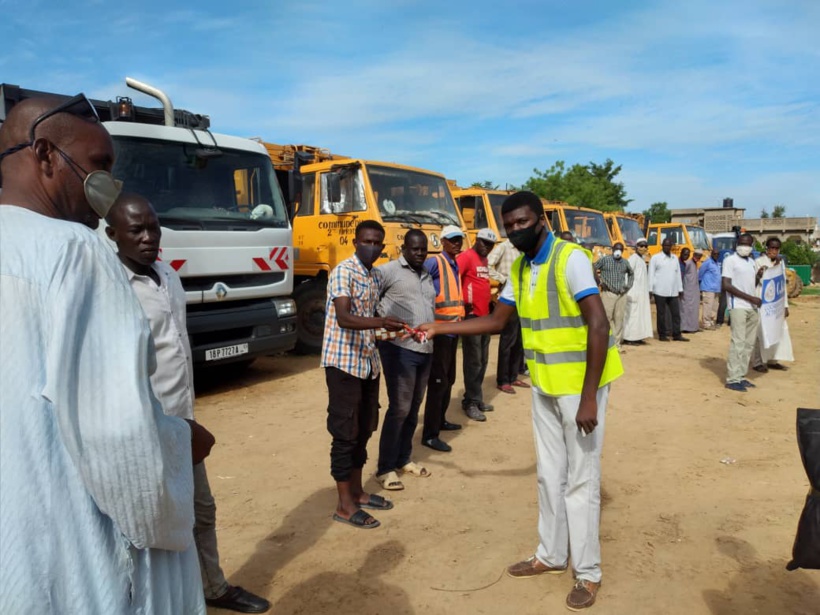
x,y
617,254
744,251
100,187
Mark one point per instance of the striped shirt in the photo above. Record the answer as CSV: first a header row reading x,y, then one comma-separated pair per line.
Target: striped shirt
x,y
407,296
616,274
350,350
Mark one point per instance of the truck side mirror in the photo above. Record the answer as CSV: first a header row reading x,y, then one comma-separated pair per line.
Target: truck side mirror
x,y
334,187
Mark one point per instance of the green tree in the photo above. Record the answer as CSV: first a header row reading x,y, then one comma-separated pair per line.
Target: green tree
x,y
592,185
798,253
486,185
764,213
779,211
658,212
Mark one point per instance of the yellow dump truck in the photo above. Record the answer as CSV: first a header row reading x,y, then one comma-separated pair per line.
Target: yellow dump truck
x,y
587,226
684,235
481,208
625,228
330,195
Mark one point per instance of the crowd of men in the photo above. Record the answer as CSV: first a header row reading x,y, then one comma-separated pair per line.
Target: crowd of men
x,y
101,459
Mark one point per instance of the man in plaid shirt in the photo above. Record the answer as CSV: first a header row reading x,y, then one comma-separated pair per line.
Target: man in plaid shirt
x,y
352,373
615,277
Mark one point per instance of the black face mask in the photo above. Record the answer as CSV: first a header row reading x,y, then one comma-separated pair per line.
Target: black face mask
x,y
525,239
368,254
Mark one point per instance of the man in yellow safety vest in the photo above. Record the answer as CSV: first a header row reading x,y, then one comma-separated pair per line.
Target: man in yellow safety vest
x,y
572,358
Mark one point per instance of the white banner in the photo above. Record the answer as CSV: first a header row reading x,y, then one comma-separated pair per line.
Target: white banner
x,y
773,309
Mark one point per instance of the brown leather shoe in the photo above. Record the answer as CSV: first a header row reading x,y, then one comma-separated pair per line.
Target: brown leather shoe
x,y
582,595
532,567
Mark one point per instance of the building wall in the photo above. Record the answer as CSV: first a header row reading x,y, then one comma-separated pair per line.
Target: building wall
x,y
796,229
722,219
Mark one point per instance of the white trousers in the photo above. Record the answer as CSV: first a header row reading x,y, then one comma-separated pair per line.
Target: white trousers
x,y
569,484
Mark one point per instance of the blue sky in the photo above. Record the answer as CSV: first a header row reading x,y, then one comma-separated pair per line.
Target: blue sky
x,y
698,100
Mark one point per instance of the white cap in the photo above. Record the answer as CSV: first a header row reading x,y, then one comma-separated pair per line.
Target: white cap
x,y
487,235
451,231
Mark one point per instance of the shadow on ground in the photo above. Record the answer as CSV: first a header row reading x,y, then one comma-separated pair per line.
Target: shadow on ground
x,y
232,377
300,530
761,586
359,592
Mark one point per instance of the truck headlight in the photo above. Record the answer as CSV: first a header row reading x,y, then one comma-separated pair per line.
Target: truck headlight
x,y
285,307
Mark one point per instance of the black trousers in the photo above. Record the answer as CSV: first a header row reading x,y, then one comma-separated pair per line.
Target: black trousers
x,y
721,315
666,328
352,417
510,352
476,354
440,385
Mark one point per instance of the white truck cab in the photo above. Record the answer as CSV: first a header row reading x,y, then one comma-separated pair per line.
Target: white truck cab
x,y
225,228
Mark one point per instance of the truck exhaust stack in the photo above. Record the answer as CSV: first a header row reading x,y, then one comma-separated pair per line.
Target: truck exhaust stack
x,y
161,96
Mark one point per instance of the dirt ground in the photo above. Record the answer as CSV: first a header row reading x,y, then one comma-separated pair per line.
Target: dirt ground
x,y
682,532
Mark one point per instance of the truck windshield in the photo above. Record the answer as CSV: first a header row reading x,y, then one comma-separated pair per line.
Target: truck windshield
x,y
675,233
412,196
630,229
191,192
723,243
588,226
495,202
698,236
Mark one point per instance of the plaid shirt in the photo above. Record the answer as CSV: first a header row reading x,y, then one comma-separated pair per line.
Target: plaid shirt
x,y
500,260
616,274
350,350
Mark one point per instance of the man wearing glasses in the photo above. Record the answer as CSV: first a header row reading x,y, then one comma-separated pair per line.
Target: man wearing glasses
x,y
96,483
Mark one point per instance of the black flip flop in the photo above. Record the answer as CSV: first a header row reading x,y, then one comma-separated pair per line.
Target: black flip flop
x,y
377,502
358,519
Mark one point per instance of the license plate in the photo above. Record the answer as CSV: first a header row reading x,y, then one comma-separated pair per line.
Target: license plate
x,y
215,354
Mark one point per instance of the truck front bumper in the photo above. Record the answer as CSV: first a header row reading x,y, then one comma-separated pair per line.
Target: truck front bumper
x,y
241,330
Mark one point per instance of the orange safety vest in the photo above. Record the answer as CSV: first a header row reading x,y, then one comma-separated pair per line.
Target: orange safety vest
x,y
449,302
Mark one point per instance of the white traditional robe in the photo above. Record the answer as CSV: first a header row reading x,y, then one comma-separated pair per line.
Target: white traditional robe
x,y
96,485
638,318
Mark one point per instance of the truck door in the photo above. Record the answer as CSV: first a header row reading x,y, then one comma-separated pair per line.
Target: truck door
x,y
337,220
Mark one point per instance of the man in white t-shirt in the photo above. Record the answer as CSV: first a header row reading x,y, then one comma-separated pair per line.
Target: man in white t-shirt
x,y
739,284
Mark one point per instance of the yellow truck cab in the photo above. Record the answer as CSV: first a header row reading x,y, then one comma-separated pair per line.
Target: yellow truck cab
x,y
625,228
481,208
587,226
684,236
330,197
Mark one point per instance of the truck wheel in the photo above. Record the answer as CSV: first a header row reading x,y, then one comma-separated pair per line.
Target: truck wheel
x,y
310,316
794,285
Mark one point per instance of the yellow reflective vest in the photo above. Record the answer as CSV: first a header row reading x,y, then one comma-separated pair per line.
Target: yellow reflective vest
x,y
553,331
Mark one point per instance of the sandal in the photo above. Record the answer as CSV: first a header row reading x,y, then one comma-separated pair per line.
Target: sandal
x,y
416,470
521,383
376,502
778,366
506,388
358,519
390,481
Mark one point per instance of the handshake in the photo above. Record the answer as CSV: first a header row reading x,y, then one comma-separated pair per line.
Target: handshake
x,y
404,333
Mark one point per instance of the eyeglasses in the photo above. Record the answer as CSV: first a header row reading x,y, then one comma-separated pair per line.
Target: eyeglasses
x,y
78,106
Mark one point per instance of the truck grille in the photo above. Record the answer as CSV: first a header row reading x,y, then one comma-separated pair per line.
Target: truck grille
x,y
203,283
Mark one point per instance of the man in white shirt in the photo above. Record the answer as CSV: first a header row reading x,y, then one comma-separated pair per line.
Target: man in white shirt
x,y
96,490
666,284
133,225
738,282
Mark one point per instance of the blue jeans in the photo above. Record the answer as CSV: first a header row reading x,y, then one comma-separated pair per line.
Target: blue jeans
x,y
405,374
